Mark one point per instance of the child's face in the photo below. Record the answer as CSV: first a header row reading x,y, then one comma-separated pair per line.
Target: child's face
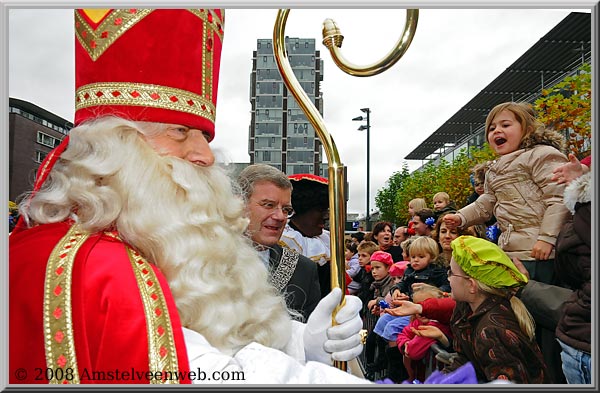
x,y
348,254
439,203
379,270
419,260
396,279
364,258
505,133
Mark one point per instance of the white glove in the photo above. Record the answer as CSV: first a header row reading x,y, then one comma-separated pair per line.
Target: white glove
x,y
325,343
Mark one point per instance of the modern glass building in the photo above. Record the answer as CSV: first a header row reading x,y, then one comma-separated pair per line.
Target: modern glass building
x,y
280,134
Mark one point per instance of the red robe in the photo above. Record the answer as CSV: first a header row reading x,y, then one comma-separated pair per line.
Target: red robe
x,y
108,319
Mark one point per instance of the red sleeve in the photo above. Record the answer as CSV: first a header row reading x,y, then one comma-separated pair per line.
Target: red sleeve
x,y
587,161
405,335
439,309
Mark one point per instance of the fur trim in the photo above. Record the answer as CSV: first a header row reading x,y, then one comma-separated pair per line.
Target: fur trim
x,y
579,191
545,136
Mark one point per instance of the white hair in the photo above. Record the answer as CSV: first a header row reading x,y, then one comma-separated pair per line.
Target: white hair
x,y
184,218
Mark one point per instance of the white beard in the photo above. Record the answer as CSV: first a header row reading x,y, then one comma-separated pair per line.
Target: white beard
x,y
184,218
192,225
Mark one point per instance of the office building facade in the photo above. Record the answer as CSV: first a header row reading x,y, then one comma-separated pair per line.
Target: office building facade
x,y
33,133
280,134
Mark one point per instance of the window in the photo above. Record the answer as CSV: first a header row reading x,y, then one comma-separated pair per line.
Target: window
x,y
47,140
306,44
39,156
264,59
258,45
266,156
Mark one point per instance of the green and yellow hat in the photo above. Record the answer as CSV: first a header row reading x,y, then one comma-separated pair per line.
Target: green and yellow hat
x,y
486,262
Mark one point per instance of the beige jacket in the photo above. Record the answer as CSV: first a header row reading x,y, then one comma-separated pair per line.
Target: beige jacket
x,y
527,204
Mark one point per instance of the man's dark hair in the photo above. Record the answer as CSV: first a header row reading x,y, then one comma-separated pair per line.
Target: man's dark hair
x,y
359,236
308,195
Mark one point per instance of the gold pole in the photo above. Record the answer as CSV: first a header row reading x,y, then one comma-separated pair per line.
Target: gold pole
x,y
337,217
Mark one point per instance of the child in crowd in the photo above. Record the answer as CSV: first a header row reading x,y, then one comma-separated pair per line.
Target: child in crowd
x,y
423,251
388,327
413,207
381,262
442,204
364,277
414,341
352,266
519,190
527,204
424,221
406,246
492,328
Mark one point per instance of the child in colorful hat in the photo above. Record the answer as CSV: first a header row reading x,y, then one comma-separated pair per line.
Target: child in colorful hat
x,y
491,327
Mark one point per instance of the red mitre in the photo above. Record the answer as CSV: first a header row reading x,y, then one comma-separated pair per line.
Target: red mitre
x,y
157,65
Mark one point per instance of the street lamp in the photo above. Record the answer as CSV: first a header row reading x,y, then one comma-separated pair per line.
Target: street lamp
x,y
368,128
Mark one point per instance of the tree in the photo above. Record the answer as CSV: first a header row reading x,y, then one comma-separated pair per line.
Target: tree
x,y
452,178
567,107
385,198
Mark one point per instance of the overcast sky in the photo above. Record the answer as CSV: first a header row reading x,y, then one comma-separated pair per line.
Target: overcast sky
x,y
454,55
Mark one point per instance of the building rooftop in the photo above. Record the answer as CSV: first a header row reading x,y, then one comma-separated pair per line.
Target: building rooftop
x,y
554,56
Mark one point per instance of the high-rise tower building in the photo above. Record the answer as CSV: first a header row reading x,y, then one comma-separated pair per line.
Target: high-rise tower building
x,y
280,134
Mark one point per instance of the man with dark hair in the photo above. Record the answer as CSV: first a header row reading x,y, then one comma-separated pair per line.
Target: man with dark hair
x,y
305,231
357,237
268,192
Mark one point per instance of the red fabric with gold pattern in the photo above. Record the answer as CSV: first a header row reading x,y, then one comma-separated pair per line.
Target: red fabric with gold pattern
x,y
308,176
158,65
109,323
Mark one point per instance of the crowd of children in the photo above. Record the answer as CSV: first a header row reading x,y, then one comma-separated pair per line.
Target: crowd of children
x,y
462,268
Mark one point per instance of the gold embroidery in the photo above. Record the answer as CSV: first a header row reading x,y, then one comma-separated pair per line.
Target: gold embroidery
x,y
213,21
58,324
162,355
59,342
139,94
96,41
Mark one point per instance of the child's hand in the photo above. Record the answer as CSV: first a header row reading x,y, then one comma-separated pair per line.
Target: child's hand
x,y
569,171
397,296
427,331
541,250
404,308
376,310
452,220
371,303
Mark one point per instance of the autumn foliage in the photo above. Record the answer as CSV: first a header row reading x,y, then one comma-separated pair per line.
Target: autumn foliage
x,y
567,107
